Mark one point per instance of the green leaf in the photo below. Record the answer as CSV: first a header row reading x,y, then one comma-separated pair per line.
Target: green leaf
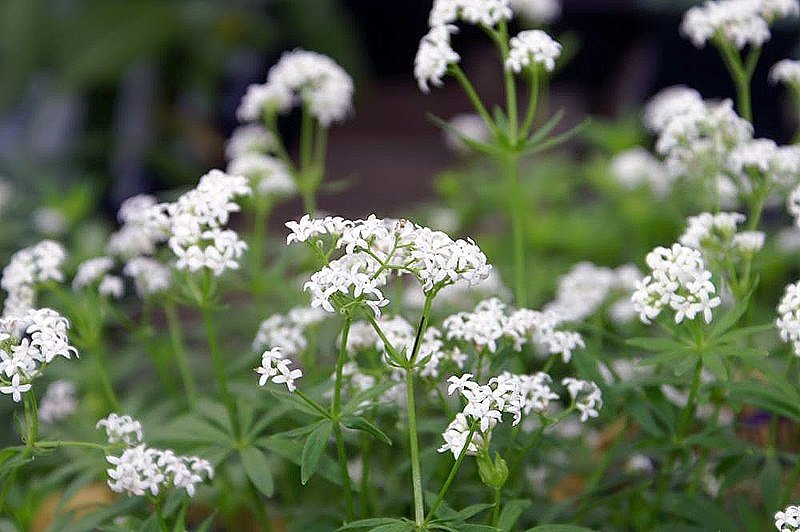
x,y
205,526
293,450
258,470
465,513
511,513
655,344
294,401
365,425
477,528
357,401
559,528
729,319
313,449
716,365
771,483
376,522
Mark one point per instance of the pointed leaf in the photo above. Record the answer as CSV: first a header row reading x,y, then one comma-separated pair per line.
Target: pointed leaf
x,y
258,470
313,449
511,513
365,425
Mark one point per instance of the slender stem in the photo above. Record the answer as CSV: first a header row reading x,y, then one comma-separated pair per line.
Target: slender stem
x,y
496,507
533,103
342,459
31,420
472,94
179,352
55,444
337,426
219,370
313,404
450,477
516,211
413,443
510,83
364,492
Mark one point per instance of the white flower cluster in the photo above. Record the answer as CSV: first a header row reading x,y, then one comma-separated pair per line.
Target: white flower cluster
x,y
27,268
535,389
287,331
763,161
787,72
143,228
679,281
788,321
788,520
140,470
28,343
121,429
58,402
268,175
375,248
196,221
537,11
715,235
278,369
698,141
586,287
586,396
301,78
637,168
491,321
484,409
669,103
479,12
434,55
149,276
740,22
250,138
533,47
95,271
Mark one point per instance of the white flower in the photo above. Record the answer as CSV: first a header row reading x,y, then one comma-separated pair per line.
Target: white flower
x,y
537,11
139,470
112,286
670,103
250,138
149,275
27,268
264,98
708,230
121,429
59,402
788,322
267,174
301,77
484,409
788,520
762,160
144,226
740,22
287,332
637,168
679,281
91,271
586,396
15,389
274,367
786,71
533,47
434,56
484,12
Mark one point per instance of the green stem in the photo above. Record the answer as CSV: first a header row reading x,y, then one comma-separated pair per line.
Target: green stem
x,y
510,84
533,103
179,352
305,177
56,444
219,370
413,443
496,507
450,477
516,211
337,426
472,94
31,420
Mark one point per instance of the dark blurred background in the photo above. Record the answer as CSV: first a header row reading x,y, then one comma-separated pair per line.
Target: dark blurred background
x,y
112,98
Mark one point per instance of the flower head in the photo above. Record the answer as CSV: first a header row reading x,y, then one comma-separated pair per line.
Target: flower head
x,y
786,71
434,56
533,47
586,396
274,367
